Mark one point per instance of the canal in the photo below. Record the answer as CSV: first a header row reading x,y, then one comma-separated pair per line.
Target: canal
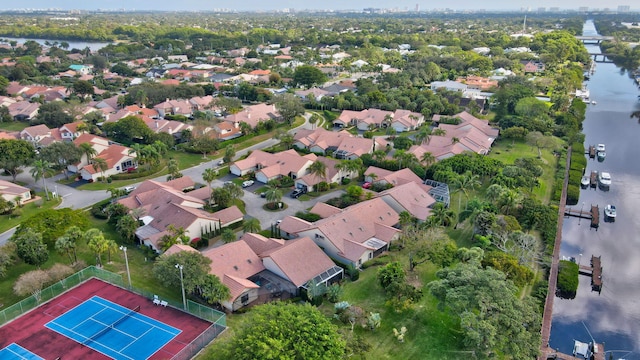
x,y
611,317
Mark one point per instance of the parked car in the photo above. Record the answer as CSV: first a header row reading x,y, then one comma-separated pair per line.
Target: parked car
x,y
228,183
247,183
263,194
366,185
296,193
128,189
220,162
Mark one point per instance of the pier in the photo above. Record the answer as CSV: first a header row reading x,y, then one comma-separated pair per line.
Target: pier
x,y
594,179
592,151
552,354
594,271
592,215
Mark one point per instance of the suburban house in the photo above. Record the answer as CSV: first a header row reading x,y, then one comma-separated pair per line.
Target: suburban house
x,y
12,192
40,135
315,92
400,120
257,269
478,82
365,119
165,204
342,144
99,144
471,134
449,85
405,120
332,175
174,107
533,66
357,234
254,114
118,159
376,175
227,131
70,131
81,69
269,166
410,197
23,110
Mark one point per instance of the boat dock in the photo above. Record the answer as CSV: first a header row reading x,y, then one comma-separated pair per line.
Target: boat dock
x,y
592,151
594,271
594,179
553,354
593,215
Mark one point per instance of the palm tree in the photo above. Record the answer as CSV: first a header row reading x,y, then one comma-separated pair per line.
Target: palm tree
x,y
319,169
251,225
39,170
424,135
209,175
273,195
406,219
64,245
440,215
404,159
137,150
97,243
427,159
439,132
494,192
234,190
454,140
88,150
379,155
100,164
227,235
509,200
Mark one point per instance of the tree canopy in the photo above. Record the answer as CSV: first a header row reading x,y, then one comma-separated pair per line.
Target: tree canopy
x,y
286,331
53,223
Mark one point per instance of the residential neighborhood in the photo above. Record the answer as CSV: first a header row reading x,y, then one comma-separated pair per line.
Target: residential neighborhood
x,y
358,169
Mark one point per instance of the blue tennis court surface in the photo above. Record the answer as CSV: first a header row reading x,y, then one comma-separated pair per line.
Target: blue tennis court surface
x,y
113,330
14,351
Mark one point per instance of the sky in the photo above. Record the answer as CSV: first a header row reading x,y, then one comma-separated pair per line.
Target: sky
x,y
191,5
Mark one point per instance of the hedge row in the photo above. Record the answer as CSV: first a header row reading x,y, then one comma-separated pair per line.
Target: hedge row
x,y
568,273
138,174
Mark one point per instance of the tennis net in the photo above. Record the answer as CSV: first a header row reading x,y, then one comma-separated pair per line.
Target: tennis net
x,y
112,326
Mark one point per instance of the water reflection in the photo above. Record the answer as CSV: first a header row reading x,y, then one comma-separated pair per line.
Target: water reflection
x,y
613,316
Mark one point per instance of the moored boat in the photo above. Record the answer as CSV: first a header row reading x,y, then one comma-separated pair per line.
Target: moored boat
x,y
610,211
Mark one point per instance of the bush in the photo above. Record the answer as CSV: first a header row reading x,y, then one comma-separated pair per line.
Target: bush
x,y
380,260
353,272
568,273
138,174
307,216
573,194
286,182
346,181
98,209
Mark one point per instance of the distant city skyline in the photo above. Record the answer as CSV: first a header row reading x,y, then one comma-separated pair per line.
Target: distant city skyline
x,y
255,5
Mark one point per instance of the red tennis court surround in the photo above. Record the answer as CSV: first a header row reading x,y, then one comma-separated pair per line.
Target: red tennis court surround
x,y
29,331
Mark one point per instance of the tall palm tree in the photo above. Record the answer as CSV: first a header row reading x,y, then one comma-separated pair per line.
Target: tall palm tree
x,y
441,216
404,159
427,159
424,135
209,175
379,155
318,168
509,200
234,189
494,192
273,195
439,132
39,171
88,150
100,164
455,140
251,225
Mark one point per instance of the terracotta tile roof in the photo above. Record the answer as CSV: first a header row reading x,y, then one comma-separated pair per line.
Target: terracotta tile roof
x,y
229,215
112,155
281,163
181,183
293,225
9,135
351,230
176,248
300,260
260,244
412,197
154,194
254,114
324,210
10,188
37,131
233,263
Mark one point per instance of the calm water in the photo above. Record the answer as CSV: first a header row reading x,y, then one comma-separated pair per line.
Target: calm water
x,y
612,317
81,45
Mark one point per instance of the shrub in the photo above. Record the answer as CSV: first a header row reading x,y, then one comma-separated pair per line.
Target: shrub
x,y
138,174
568,273
573,194
353,272
346,181
310,217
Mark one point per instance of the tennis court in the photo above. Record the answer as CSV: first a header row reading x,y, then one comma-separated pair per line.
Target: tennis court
x,y
113,330
14,351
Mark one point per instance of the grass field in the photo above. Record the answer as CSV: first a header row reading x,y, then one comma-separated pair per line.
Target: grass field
x,y
13,125
27,211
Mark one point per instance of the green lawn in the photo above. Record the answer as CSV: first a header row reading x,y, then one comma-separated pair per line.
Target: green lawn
x,y
508,151
27,211
13,125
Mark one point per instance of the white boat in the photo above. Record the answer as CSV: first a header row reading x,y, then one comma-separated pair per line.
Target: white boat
x,y
604,178
585,181
610,211
593,102
602,155
600,148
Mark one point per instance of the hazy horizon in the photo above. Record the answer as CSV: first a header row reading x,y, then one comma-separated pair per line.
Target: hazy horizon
x,y
249,5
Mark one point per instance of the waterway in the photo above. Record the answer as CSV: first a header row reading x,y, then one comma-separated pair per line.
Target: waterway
x,y
612,316
80,45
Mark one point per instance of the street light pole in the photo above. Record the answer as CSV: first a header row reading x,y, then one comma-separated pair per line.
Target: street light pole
x,y
184,299
126,261
581,209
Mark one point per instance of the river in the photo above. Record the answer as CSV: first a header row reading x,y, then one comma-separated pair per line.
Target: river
x,y
80,45
613,316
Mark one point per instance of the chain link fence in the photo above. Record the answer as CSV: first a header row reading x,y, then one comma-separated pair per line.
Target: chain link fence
x,y
217,318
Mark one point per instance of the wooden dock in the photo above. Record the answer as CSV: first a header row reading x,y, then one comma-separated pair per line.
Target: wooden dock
x,y
594,271
594,179
592,151
552,354
593,215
